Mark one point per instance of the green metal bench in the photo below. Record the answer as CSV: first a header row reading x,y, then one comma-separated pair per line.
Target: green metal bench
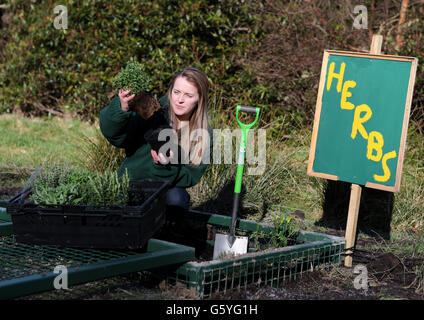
x,y
27,269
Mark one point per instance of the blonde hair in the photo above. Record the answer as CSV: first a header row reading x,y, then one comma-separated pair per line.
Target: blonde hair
x,y
199,117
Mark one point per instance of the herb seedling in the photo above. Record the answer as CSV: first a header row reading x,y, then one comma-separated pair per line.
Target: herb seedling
x,y
283,230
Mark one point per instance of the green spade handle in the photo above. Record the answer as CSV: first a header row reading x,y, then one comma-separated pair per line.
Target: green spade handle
x,y
242,150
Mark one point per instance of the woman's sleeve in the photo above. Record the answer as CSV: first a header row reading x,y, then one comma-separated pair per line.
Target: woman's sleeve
x,y
114,123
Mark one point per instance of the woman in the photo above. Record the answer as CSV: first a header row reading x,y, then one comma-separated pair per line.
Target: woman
x,y
184,108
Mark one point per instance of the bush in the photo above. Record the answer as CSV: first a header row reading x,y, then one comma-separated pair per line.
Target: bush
x,y
260,53
287,62
48,70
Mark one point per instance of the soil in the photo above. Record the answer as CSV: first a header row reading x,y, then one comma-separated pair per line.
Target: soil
x,y
12,181
7,193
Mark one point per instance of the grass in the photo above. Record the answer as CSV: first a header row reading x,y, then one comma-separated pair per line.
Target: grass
x,y
283,187
28,143
409,203
99,154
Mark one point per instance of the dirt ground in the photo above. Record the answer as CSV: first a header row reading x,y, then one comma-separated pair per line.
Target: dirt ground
x,y
390,276
388,279
8,192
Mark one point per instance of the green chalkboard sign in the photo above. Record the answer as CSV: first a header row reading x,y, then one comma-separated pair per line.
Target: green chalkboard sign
x,y
361,118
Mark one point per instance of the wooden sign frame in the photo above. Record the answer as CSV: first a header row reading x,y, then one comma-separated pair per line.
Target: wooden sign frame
x,y
407,109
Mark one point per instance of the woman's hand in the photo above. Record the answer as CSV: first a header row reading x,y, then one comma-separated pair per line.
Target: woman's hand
x,y
161,158
124,99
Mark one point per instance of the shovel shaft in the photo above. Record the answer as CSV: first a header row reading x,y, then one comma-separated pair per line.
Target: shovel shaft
x,y
239,178
236,202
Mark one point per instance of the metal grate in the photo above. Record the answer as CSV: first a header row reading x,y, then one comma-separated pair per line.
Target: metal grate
x,y
26,269
20,260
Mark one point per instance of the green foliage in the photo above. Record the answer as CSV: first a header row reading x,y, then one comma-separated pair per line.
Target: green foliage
x,y
59,184
99,155
260,53
282,232
133,77
42,67
413,38
108,190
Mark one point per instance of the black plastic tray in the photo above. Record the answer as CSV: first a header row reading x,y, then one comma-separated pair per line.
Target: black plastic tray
x,y
119,227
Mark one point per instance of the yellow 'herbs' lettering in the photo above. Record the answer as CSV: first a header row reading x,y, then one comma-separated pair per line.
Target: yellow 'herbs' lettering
x,y
358,121
375,139
346,94
339,76
375,142
386,170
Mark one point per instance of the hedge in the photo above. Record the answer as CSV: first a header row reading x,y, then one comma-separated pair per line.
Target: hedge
x,y
42,68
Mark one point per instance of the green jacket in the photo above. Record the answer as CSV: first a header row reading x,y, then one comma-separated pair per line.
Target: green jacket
x,y
125,130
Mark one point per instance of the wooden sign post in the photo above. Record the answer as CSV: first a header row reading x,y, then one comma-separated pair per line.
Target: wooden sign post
x,y
356,190
361,123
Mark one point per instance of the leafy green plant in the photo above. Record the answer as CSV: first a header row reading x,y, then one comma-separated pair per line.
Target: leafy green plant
x,y
279,236
133,77
107,189
59,184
